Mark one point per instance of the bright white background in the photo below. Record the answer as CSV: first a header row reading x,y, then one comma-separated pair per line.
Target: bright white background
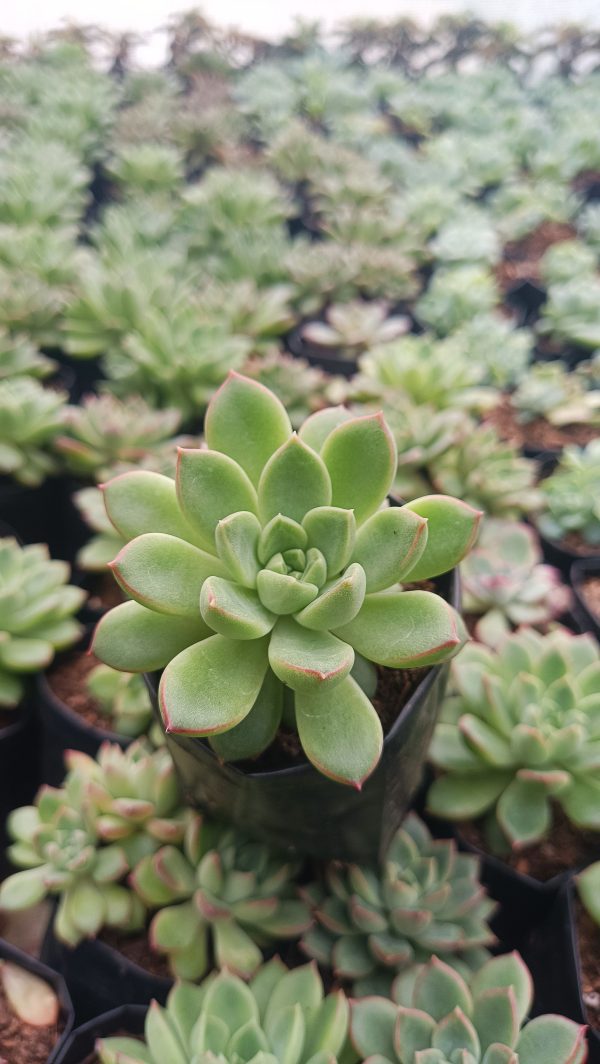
x,y
271,17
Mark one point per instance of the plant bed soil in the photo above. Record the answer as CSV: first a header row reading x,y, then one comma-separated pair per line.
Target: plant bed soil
x,y
22,1043
67,680
565,849
136,948
537,435
588,940
522,257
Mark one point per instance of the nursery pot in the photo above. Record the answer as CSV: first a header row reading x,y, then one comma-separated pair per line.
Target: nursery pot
x,y
30,964
45,514
101,978
79,1047
299,809
64,729
323,358
19,765
583,570
553,957
555,553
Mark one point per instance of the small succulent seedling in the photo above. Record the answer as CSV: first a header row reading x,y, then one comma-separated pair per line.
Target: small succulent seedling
x,y
280,1017
521,732
440,1018
551,391
30,420
571,496
225,897
271,563
355,326
36,614
123,697
425,898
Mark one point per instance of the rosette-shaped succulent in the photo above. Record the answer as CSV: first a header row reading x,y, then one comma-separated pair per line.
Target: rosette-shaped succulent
x,y
105,541
442,1019
80,841
233,895
20,358
375,922
505,584
571,496
269,563
521,731
123,697
36,614
30,420
280,1017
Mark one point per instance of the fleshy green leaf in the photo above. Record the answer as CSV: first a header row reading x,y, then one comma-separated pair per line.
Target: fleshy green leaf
x,y
258,729
212,686
439,989
466,797
236,539
279,534
306,660
524,812
333,532
414,1030
211,486
141,501
338,603
452,529
283,594
360,455
506,970
247,422
405,629
234,611
340,731
25,655
456,1032
552,1039
294,481
318,427
22,890
234,949
372,1023
389,545
164,573
496,1018
135,639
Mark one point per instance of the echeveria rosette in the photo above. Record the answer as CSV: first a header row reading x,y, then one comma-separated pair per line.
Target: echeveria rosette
x,y
425,899
269,563
521,732
440,1018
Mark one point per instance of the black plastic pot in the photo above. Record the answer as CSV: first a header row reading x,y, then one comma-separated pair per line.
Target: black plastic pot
x,y
79,1047
324,358
553,957
100,978
30,964
45,514
19,767
63,729
298,808
581,571
563,558
526,298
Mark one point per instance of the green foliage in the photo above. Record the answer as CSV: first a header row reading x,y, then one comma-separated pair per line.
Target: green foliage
x,y
354,327
146,169
20,358
571,495
36,614
521,732
31,418
441,1018
455,295
270,563
425,899
280,1017
563,397
572,313
122,697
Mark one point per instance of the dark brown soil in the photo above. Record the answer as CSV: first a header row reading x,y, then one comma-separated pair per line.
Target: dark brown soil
x,y
590,592
565,849
105,593
575,542
20,1043
588,936
538,434
522,257
136,948
586,180
68,682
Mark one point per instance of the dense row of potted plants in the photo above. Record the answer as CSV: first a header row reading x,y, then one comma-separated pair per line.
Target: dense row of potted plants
x,y
298,396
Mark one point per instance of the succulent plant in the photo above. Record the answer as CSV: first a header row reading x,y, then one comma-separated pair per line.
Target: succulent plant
x,y
568,259
505,585
442,1018
354,327
20,358
455,295
146,169
303,389
104,430
521,732
280,1016
223,898
79,841
105,543
36,614
522,206
422,434
270,562
469,236
551,391
30,420
30,998
261,314
571,496
588,887
123,697
374,923
571,312
494,344
488,473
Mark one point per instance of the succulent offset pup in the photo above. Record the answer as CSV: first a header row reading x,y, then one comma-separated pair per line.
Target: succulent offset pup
x,y
270,564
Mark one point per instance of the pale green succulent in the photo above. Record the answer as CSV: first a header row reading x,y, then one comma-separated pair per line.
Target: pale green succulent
x,y
20,358
37,608
280,1017
551,391
146,169
354,327
272,562
105,543
571,496
441,1018
520,733
568,259
455,295
31,417
122,697
502,351
571,312
425,899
